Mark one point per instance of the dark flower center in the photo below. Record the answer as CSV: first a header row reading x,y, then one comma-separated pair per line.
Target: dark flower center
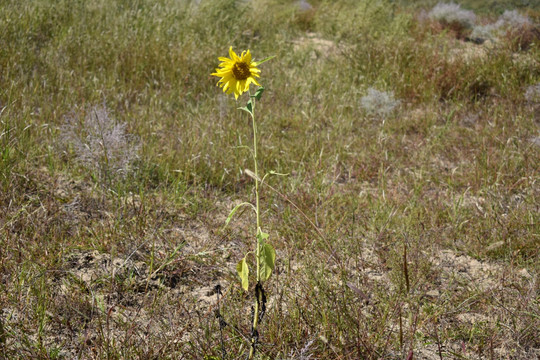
x,y
241,71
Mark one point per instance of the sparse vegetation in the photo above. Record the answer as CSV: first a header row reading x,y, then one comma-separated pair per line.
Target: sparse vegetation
x,y
380,103
414,235
452,16
517,29
533,93
100,144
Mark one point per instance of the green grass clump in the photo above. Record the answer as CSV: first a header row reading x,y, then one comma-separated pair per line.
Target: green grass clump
x,y
412,230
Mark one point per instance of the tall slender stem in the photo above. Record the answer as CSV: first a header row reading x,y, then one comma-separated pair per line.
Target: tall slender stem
x,y
258,230
255,161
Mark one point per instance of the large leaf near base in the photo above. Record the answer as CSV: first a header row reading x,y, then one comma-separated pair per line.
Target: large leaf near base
x,y
267,261
243,271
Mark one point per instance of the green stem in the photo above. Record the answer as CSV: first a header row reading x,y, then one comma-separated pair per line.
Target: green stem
x,y
257,253
257,211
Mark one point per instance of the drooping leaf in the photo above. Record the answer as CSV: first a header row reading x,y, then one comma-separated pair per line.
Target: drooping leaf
x,y
252,175
267,261
231,214
243,271
248,107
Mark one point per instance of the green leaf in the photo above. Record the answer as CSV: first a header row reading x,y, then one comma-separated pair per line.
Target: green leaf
x,y
272,172
258,93
265,60
248,107
267,261
243,271
231,214
170,258
261,236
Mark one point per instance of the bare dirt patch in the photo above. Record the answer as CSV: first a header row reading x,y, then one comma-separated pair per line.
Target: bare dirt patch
x,y
319,48
103,298
466,270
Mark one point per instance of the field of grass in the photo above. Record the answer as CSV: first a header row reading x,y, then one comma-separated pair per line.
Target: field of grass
x,y
407,226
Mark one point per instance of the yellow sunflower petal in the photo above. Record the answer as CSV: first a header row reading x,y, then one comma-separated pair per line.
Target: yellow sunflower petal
x,y
247,57
233,55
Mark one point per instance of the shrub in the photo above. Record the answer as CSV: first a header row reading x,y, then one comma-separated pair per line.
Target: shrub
x,y
485,32
516,29
100,143
304,14
451,16
512,18
379,103
303,5
533,93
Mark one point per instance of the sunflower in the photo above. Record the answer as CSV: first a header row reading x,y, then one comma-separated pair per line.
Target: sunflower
x,y
237,73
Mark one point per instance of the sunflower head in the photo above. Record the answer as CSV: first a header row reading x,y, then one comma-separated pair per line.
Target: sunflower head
x,y
237,73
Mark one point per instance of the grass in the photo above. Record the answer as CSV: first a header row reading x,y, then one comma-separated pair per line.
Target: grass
x,y
126,269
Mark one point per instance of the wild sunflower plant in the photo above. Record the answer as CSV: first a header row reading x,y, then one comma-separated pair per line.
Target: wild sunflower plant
x,y
237,73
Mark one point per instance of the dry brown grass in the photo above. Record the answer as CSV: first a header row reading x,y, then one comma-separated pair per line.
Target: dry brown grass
x,y
413,231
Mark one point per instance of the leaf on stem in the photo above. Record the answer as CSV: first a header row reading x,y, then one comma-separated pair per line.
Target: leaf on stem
x,y
267,256
267,260
248,107
243,271
265,60
261,236
258,93
272,172
252,175
231,214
